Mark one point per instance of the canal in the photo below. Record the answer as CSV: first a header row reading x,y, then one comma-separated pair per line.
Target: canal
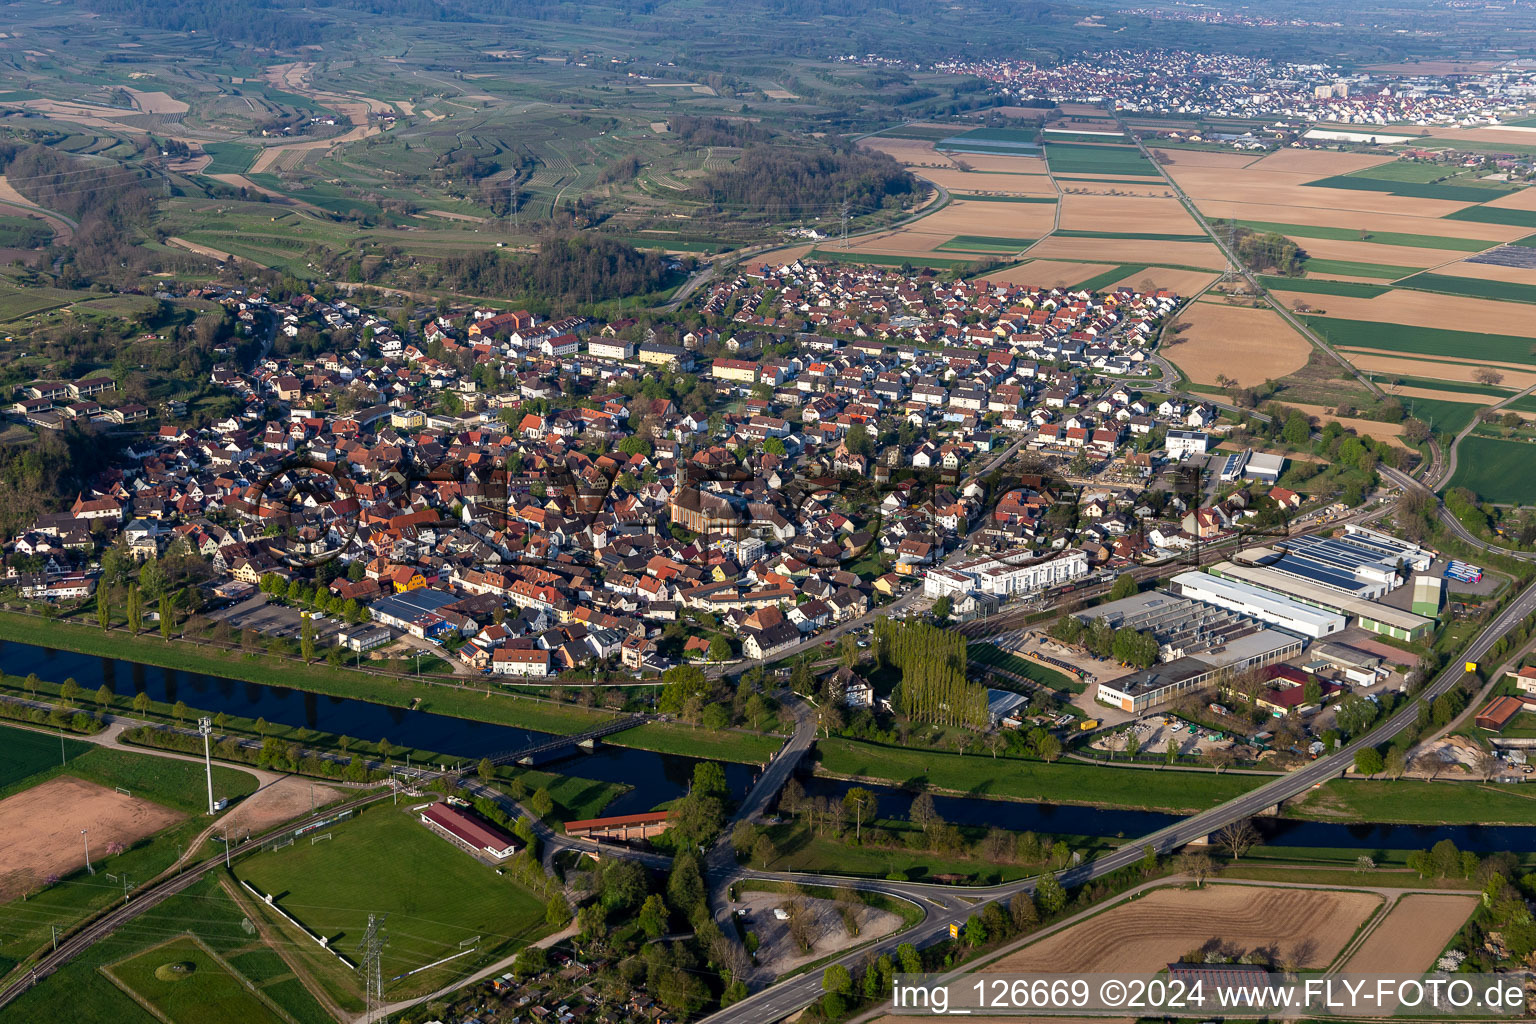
x,y
656,778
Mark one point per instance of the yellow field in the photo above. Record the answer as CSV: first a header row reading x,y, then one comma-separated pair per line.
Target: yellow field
x,y
1248,345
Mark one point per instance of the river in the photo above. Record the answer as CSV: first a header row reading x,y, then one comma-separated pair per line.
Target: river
x,y
655,778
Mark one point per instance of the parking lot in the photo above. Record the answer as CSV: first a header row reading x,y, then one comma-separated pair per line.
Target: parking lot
x,y
276,620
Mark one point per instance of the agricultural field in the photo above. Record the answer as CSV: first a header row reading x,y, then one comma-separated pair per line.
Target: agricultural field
x,y
1087,158
1309,928
1499,291
386,861
1383,336
1496,470
1412,934
1213,339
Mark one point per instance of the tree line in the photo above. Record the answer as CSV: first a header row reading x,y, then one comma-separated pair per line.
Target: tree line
x,y
569,268
933,686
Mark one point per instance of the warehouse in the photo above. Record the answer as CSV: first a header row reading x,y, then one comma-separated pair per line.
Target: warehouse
x,y
1378,618
1264,605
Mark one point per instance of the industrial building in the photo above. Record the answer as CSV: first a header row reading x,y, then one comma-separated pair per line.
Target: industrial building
x,y
1370,615
1260,603
1198,641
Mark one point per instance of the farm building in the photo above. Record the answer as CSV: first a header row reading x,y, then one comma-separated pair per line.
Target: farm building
x,y
1499,712
466,830
622,826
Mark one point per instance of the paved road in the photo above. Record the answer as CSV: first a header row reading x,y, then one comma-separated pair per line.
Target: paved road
x,y
1250,278
944,907
1451,522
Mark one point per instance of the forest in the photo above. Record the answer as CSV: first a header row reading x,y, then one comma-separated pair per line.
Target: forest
x,y
786,183
571,268
1267,251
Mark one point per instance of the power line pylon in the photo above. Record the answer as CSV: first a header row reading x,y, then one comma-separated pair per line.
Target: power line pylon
x,y
372,948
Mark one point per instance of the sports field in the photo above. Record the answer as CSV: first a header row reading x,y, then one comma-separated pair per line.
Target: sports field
x,y
387,861
24,753
187,983
1497,470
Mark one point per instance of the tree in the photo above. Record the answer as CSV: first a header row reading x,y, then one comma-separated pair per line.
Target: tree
x,y
1395,763
1197,866
1238,838
763,851
167,615
70,690
557,912
307,638
141,703
685,885
486,770
1368,761
104,696
653,917
942,608
1125,586
837,980
1049,895
1488,376
860,804
135,612
103,608
1022,912
179,711
541,803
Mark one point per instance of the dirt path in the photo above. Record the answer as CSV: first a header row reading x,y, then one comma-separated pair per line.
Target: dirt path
x,y
63,227
241,181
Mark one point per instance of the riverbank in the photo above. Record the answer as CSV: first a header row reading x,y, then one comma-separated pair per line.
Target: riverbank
x,y
1012,778
486,703
1418,802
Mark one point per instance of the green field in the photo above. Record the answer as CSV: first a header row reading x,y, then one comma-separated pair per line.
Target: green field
x,y
1447,418
985,243
1429,341
208,991
1414,802
229,157
81,992
436,895
24,753
1081,158
1150,236
1461,386
1350,268
875,260
1505,291
1319,286
1497,471
1363,181
1110,276
1016,779
676,738
1354,234
1495,215
987,654
976,197
1020,135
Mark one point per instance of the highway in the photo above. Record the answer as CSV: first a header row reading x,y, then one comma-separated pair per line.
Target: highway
x,y
944,908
